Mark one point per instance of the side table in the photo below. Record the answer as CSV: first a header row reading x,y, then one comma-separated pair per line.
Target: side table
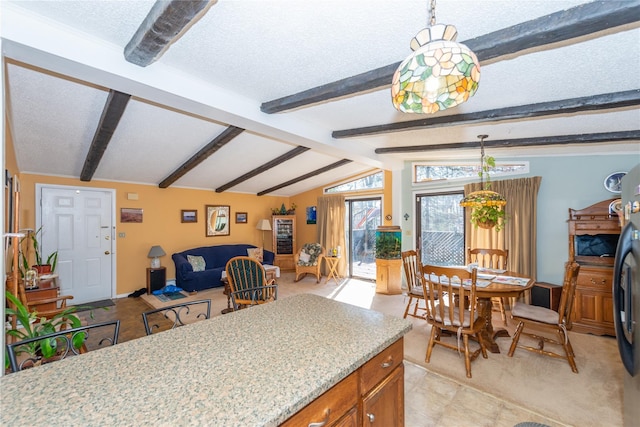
x,y
332,265
156,279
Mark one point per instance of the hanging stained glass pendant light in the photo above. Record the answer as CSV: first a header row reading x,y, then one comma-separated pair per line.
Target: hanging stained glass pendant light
x,y
439,74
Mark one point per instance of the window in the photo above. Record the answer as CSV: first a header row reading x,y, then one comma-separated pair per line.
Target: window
x,y
423,172
369,182
440,228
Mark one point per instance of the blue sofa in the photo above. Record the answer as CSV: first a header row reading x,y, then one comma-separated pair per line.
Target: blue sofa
x,y
215,258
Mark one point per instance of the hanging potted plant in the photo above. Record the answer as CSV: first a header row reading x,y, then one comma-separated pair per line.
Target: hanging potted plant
x,y
487,207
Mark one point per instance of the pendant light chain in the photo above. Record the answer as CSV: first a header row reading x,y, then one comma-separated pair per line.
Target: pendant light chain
x,y
432,21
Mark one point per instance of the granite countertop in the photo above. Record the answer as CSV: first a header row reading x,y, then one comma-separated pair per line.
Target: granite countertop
x,y
255,367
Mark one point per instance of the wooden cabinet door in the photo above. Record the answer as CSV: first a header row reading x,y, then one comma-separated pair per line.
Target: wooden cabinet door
x,y
384,405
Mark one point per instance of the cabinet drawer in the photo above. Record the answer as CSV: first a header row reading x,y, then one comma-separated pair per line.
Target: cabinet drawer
x,y
597,226
338,401
381,365
595,278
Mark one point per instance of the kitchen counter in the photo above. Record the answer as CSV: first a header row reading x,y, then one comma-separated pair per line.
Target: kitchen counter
x,y
255,367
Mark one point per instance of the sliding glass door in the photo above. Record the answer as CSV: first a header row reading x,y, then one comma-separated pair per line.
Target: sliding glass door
x,y
440,228
363,218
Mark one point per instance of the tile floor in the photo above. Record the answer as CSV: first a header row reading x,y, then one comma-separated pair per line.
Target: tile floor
x,y
430,399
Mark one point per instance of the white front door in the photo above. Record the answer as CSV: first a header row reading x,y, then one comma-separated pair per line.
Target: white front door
x,y
78,223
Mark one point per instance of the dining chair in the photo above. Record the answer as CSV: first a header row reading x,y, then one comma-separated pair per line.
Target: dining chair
x,y
412,267
454,311
494,259
177,314
64,343
248,283
545,320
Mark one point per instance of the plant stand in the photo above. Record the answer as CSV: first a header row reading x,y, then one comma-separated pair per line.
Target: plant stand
x,y
389,276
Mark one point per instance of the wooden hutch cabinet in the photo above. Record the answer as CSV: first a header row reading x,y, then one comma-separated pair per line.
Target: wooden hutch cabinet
x,y
593,236
284,240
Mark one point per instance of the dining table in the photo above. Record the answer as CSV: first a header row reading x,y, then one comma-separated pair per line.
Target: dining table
x,y
501,284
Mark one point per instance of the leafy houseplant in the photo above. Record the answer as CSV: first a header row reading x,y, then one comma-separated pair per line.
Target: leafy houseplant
x,y
487,207
33,326
51,260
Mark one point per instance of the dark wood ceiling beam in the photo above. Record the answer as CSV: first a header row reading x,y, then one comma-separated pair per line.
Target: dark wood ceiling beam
x,y
589,138
111,115
225,137
163,25
263,168
557,27
565,106
305,176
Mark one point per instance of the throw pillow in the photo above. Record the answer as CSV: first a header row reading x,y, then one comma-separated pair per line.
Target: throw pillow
x,y
256,253
304,257
197,262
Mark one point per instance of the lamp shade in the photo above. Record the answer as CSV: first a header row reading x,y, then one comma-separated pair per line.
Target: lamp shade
x,y
156,251
439,74
264,225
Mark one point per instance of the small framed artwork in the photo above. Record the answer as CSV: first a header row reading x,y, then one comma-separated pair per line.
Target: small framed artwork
x,y
311,215
188,215
218,223
130,215
241,217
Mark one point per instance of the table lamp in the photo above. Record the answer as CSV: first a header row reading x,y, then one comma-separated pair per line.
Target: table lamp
x,y
263,225
155,253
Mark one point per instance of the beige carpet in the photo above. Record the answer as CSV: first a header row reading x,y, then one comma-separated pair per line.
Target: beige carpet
x,y
544,385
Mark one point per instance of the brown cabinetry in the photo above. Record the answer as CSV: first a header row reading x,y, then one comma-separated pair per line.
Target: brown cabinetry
x,y
284,240
371,395
593,235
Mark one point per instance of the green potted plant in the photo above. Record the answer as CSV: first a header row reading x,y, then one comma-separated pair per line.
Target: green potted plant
x,y
43,266
31,325
487,207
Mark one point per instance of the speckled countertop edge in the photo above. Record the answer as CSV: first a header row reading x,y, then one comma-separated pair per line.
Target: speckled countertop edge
x,y
255,367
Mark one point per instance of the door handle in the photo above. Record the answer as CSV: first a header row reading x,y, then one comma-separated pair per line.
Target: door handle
x,y
107,253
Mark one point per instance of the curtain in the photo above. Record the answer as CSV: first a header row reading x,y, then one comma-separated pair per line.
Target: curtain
x,y
331,232
519,235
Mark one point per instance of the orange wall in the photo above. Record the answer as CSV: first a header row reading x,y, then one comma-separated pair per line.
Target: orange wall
x,y
161,222
306,233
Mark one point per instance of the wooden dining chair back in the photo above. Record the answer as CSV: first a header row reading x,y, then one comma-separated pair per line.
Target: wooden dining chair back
x,y
248,283
65,343
495,259
450,295
173,316
412,267
547,321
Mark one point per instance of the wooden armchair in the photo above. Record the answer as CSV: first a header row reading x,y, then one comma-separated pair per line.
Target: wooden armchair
x,y
43,306
494,259
308,261
543,320
454,311
248,283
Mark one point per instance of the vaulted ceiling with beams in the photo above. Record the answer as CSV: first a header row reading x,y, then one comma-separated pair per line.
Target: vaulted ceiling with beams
x,y
280,96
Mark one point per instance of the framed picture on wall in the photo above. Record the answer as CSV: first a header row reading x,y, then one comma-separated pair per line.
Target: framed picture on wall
x,y
188,215
218,223
130,215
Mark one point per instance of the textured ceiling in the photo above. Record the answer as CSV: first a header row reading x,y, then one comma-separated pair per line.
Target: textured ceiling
x,y
63,57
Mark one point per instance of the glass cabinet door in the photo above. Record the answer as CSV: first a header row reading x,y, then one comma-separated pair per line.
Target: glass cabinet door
x,y
284,236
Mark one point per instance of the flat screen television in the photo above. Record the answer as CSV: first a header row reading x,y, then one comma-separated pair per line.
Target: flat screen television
x,y
596,246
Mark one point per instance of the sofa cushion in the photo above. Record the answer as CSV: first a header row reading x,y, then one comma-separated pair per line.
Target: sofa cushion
x,y
197,262
256,253
309,254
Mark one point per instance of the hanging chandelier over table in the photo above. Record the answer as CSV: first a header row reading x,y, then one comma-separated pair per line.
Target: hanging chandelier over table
x,y
439,74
